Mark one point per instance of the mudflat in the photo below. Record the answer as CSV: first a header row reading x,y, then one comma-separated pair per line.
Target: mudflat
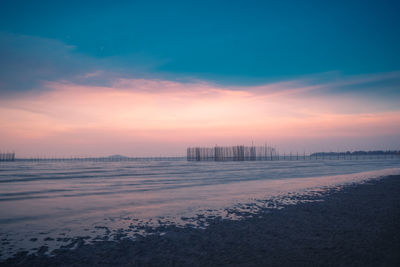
x,y
355,226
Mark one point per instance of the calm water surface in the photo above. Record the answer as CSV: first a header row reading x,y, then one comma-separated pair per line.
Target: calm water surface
x,y
43,202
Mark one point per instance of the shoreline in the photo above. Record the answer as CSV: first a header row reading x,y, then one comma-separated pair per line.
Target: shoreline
x,y
354,226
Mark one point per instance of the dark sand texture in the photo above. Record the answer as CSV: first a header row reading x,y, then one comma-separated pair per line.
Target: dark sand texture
x,y
357,226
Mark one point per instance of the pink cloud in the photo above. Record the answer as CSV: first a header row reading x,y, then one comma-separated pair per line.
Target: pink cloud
x,y
144,112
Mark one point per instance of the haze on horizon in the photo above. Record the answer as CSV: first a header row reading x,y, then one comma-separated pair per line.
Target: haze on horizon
x,y
151,78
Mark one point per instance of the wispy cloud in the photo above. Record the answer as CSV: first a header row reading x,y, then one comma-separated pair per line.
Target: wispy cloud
x,y
175,112
55,97
26,62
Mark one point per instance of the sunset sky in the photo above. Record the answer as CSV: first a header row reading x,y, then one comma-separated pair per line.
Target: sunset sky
x,y
148,78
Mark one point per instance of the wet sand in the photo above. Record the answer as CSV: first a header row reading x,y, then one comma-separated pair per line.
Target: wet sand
x,y
356,226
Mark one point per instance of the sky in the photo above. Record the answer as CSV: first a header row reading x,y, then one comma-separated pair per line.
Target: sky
x,y
150,78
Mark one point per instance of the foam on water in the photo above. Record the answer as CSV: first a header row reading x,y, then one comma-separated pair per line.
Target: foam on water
x,y
51,203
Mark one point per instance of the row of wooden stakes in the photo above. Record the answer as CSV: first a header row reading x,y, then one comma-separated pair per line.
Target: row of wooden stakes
x,y
7,156
228,153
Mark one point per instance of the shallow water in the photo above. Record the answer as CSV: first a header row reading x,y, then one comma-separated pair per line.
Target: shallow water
x,y
47,202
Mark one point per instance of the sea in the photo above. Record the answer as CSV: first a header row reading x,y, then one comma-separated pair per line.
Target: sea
x,y
47,205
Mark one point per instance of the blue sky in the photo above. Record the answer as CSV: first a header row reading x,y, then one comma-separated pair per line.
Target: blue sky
x,y
114,77
229,42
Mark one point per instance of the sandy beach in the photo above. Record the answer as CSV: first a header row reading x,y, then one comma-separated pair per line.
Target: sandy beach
x,y
355,226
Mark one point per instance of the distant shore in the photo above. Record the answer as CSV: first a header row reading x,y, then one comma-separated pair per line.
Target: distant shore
x,y
356,226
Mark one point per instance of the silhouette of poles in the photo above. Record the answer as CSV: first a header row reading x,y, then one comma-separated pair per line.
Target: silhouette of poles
x,y
235,153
